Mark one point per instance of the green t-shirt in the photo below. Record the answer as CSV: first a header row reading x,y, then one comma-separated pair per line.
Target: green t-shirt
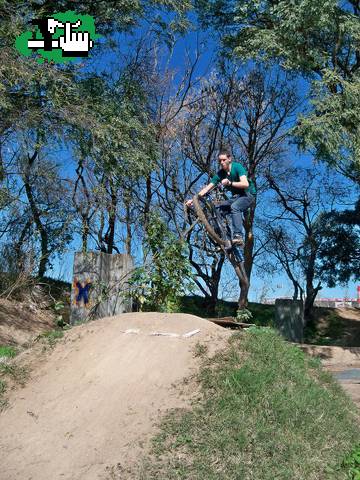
x,y
236,171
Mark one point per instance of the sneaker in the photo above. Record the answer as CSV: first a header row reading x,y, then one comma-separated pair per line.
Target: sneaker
x,y
238,240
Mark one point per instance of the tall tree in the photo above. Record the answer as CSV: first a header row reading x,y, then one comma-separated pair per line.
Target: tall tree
x,y
339,255
317,39
294,230
39,216
251,112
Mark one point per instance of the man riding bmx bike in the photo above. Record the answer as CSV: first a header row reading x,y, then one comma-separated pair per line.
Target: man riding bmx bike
x,y
233,177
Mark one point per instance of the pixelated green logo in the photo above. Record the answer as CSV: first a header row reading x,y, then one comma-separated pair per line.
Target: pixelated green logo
x,y
60,38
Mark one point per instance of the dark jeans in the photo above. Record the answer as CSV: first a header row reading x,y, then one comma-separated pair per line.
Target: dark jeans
x,y
237,205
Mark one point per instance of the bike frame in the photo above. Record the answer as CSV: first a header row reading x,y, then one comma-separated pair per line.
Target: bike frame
x,y
220,222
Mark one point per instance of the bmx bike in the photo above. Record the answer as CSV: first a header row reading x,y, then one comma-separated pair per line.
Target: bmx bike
x,y
214,213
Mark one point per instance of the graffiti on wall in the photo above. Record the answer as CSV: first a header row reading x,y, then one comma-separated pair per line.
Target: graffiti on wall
x,y
82,290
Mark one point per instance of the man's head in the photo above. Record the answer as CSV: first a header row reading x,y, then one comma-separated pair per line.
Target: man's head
x,y
224,159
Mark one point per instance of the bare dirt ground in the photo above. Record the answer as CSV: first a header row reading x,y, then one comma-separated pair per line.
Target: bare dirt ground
x,y
95,401
344,358
20,322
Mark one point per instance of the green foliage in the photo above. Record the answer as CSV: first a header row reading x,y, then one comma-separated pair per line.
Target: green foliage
x,y
331,129
339,240
2,390
262,315
222,309
3,400
59,308
6,351
22,77
200,350
10,370
352,462
200,306
244,315
330,331
15,372
127,146
166,274
268,411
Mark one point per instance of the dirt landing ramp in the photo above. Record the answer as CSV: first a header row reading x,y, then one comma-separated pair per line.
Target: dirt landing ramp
x,y
340,361
99,394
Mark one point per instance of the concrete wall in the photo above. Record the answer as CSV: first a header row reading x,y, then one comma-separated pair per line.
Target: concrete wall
x,y
98,285
289,319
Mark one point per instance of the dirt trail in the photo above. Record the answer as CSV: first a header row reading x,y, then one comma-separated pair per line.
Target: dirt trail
x,y
98,396
343,361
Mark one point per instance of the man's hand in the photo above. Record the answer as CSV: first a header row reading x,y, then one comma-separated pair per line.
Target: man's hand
x,y
226,182
189,203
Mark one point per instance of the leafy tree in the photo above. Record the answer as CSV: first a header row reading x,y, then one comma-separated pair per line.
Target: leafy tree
x,y
52,95
114,161
319,39
295,237
104,122
339,255
38,219
166,273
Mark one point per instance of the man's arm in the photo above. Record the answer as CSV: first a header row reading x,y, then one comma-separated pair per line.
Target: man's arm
x,y
202,193
243,183
206,189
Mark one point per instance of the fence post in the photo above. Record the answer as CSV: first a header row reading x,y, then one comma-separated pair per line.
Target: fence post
x,y
289,319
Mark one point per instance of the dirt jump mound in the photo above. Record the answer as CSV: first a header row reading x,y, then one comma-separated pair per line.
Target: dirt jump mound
x,y
96,399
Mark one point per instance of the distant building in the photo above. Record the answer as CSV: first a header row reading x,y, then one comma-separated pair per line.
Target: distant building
x,y
328,302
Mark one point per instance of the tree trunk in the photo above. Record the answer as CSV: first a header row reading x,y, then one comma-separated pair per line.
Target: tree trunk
x,y
128,239
19,255
214,282
85,233
244,286
44,240
147,201
112,219
311,291
248,256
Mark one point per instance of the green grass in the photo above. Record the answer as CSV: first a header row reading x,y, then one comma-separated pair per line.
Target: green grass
x,y
352,463
267,412
15,372
50,338
6,351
